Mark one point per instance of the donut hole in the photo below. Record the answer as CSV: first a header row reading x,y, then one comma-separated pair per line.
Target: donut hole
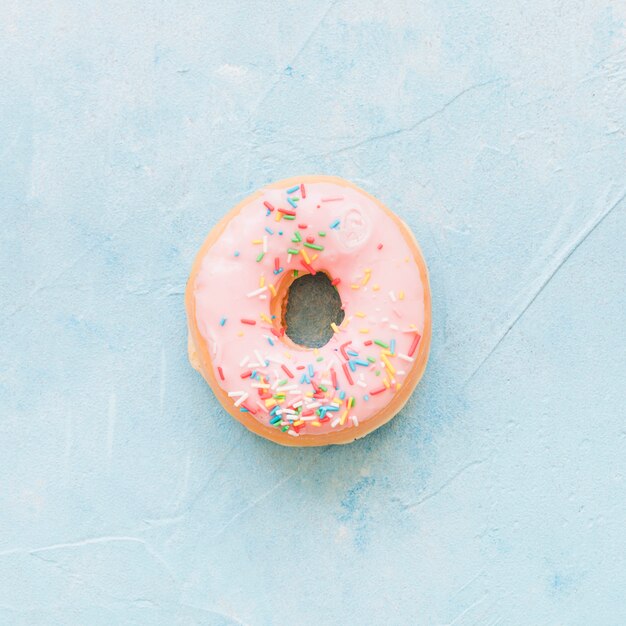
x,y
311,306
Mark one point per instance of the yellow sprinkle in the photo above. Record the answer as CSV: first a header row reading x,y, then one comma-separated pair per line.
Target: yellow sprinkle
x,y
240,333
390,367
386,383
316,351
334,327
272,289
368,275
401,295
265,318
398,385
288,355
364,330
376,287
314,257
269,403
351,401
305,255
257,241
309,394
315,423
278,216
342,419
406,259
297,423
262,281
355,286
360,314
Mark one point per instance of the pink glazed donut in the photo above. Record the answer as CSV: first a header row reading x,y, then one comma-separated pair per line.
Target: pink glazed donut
x,y
236,299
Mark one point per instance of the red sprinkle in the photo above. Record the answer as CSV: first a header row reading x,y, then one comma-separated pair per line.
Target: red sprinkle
x,y
310,239
287,211
300,367
246,374
335,281
333,376
265,396
368,342
279,333
413,347
342,349
307,412
276,263
303,226
375,392
380,246
346,371
317,389
303,191
248,408
307,266
287,371
268,206
221,373
244,320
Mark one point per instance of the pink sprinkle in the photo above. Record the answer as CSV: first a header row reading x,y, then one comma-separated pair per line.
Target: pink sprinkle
x,y
247,321
380,246
337,199
303,191
413,347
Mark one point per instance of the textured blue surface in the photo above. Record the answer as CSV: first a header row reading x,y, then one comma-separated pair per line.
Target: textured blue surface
x,y
497,130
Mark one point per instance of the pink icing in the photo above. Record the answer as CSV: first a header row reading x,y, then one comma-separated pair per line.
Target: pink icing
x,y
380,287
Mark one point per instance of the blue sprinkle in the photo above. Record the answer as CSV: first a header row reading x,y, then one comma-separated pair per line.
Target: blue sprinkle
x,y
275,420
280,232
366,397
352,365
311,371
269,230
236,252
352,353
254,374
361,362
270,341
322,411
303,379
342,395
223,321
267,213
335,224
292,203
330,407
293,189
392,346
243,409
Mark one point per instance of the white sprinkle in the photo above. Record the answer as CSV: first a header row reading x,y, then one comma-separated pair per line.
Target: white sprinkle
x,y
241,399
406,357
313,405
260,359
394,327
244,360
392,295
288,258
325,381
297,404
273,359
400,372
293,433
260,386
335,199
385,319
256,292
355,420
261,406
264,243
235,394
255,365
263,296
334,422
361,383
286,387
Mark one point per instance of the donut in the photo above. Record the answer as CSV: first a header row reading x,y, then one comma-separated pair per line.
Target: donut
x,y
239,321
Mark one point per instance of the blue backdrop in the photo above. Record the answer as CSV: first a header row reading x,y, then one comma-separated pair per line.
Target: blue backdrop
x,y
496,129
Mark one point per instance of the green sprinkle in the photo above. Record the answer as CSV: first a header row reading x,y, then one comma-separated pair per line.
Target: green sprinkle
x,y
371,359
323,388
292,251
382,344
295,273
282,382
322,233
260,257
313,245
289,217
285,428
377,372
296,237
319,358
